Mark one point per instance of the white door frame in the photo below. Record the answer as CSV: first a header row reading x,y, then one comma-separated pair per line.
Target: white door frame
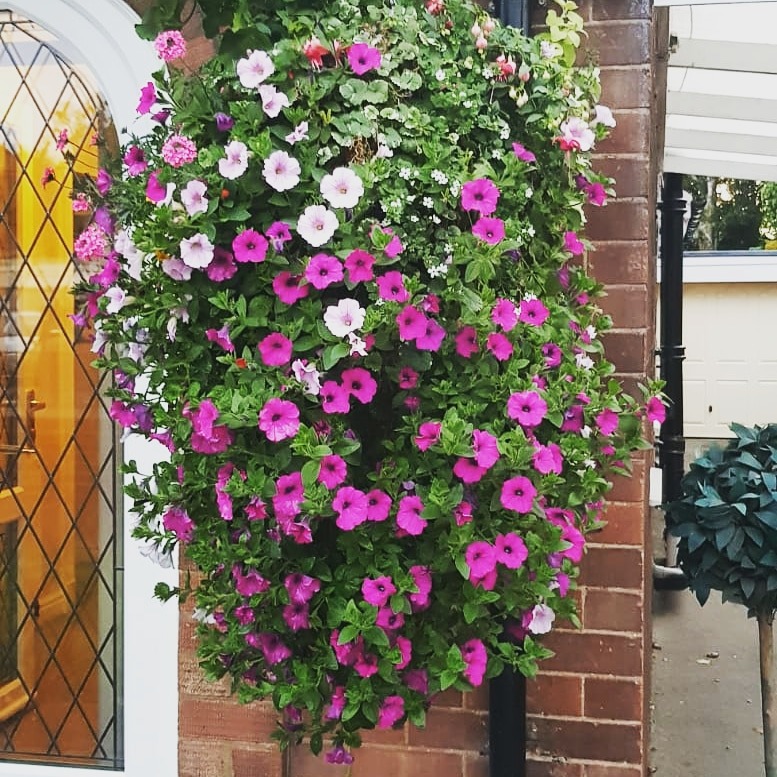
x,y
103,33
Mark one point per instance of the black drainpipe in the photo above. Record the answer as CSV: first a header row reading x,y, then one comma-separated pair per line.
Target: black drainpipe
x,y
507,693
671,449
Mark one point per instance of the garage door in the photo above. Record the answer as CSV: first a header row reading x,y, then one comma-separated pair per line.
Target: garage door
x,y
730,371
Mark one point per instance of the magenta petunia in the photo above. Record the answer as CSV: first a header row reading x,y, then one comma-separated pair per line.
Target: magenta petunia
x,y
378,591
490,230
607,422
417,680
221,337
207,436
528,408
655,410
409,515
480,195
422,578
222,267
256,509
504,314
428,435
388,620
523,154
462,513
275,349
533,312
350,504
359,264
289,494
378,505
468,471
250,246
250,582
156,191
411,323
297,616
301,588
466,342
334,398
323,270
408,378
279,419
510,550
336,704
147,98
273,649
486,448
573,244
548,458
362,58
481,558
332,470
432,337
573,419
406,651
176,520
278,233
135,159
359,383
552,354
518,494
391,711
289,288
476,658
499,346
391,287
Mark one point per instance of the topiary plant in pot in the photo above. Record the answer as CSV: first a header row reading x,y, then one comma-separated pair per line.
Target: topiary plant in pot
x,y
727,524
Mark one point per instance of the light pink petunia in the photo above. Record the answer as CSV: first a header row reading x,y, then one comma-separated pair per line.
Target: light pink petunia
x,y
307,374
345,317
542,618
193,197
273,101
576,135
279,419
235,160
342,188
281,171
316,225
254,69
196,251
221,337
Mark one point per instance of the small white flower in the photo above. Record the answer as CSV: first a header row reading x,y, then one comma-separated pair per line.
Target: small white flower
x,y
584,361
196,251
273,101
590,330
436,219
201,615
316,225
345,317
530,231
488,73
414,218
440,75
254,69
281,171
235,162
529,192
427,202
405,173
342,188
467,104
439,177
504,133
455,188
193,197
358,346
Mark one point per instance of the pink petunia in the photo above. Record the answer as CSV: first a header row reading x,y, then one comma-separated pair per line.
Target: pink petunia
x,y
481,558
278,233
207,436
533,312
289,288
408,378
135,160
528,408
422,578
466,342
279,419
300,587
334,398
350,504
378,591
462,513
510,550
250,582
432,337
362,58
655,410
476,658
391,711
275,349
504,314
359,383
147,98
409,515
518,494
378,505
573,244
176,520
468,471
296,616
523,154
222,267
547,459
411,323
323,270
480,195
489,230
607,422
391,287
428,435
552,354
250,246
332,470
336,704
359,264
486,449
499,346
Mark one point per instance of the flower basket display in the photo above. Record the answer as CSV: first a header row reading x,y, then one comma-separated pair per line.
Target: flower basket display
x,y
340,279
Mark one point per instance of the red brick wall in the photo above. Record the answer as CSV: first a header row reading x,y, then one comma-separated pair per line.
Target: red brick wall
x,y
588,711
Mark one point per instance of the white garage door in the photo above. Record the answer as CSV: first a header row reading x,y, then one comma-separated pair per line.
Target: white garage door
x,y
730,370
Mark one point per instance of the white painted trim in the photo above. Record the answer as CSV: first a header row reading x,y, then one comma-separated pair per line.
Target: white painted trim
x,y
683,160
724,55
659,3
713,106
729,267
103,33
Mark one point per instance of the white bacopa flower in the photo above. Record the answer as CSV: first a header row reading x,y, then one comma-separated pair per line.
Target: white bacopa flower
x,y
193,197
196,251
316,225
405,173
590,330
281,171
273,101
427,202
254,69
342,188
345,317
235,162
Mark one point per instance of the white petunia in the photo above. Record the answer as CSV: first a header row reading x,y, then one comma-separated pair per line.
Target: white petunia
x,y
542,618
254,69
316,225
345,317
196,251
281,171
118,299
342,188
300,133
273,101
307,374
193,197
235,161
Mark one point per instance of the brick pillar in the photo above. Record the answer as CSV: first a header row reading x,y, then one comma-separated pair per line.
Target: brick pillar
x,y
589,709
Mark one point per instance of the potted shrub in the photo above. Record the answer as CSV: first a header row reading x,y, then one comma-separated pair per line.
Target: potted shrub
x,y
727,524
340,280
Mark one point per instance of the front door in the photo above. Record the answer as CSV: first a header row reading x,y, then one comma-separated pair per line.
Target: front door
x,y
60,554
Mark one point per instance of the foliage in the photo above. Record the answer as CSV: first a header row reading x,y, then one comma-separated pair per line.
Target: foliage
x,y
727,520
767,199
345,293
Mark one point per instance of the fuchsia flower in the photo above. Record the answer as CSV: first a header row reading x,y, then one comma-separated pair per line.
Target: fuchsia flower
x,y
480,195
388,620
336,704
359,264
466,342
359,383
250,246
222,267
363,58
278,234
518,494
533,312
490,230
289,288
332,471
351,505
273,649
391,711
499,346
378,591
528,408
428,435
323,270
462,513
297,616
655,410
476,658
279,419
391,286
409,515
552,354
275,349
338,755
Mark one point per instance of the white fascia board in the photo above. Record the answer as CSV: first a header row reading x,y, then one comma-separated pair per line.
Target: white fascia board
x,y
660,3
724,55
727,142
712,166
729,267
713,106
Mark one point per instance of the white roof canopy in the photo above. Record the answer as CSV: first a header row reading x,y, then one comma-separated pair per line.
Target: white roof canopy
x,y
721,113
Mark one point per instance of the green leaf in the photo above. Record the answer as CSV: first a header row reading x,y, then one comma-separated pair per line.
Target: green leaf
x,y
724,535
748,586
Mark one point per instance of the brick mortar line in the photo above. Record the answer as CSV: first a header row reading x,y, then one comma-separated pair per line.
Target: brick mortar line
x,y
562,673
587,719
582,761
